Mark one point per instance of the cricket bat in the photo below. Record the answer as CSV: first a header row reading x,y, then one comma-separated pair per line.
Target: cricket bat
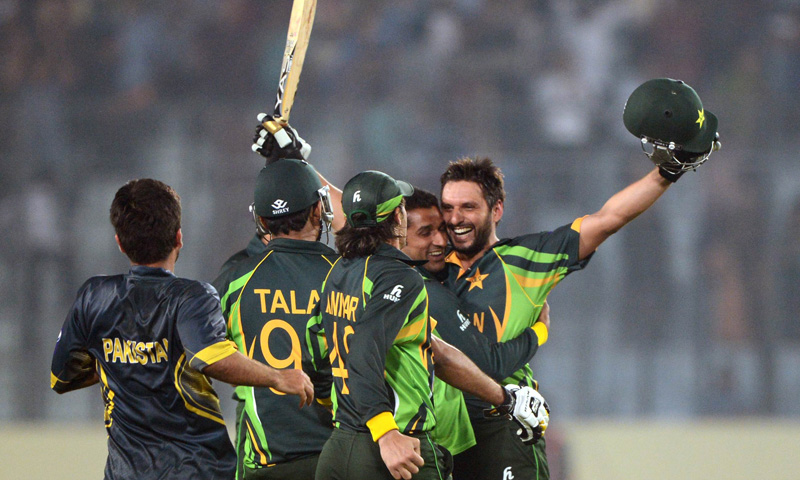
x,y
294,54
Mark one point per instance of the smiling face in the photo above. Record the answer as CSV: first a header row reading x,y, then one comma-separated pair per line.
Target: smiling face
x,y
469,220
427,239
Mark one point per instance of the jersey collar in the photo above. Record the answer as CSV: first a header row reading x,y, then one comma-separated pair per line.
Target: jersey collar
x,y
299,246
256,246
386,250
142,271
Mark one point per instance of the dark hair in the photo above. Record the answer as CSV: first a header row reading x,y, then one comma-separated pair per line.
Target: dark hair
x,y
285,224
481,171
353,242
421,199
146,215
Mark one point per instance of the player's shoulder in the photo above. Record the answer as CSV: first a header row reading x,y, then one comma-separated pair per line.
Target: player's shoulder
x,y
533,240
395,271
190,287
99,283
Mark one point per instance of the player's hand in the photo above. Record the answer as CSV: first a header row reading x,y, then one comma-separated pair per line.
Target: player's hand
x,y
283,143
401,454
544,315
295,382
527,408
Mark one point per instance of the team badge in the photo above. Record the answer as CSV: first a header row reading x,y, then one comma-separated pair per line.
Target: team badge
x,y
477,279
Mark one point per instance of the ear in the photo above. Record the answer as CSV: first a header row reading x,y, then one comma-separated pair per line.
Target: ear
x,y
400,214
497,211
179,239
116,237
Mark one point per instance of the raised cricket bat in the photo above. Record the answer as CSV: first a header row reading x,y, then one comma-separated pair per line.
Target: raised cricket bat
x,y
300,24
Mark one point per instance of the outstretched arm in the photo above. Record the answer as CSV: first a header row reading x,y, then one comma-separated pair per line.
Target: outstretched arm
x,y
620,209
236,369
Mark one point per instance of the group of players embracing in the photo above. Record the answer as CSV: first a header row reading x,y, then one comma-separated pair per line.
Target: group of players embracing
x,y
409,345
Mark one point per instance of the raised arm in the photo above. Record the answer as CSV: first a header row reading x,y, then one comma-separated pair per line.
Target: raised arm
x,y
620,209
336,201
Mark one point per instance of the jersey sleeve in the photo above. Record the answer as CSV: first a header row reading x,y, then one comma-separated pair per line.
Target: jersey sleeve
x,y
72,365
395,310
201,327
497,360
560,247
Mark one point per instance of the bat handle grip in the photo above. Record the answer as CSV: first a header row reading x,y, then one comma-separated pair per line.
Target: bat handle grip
x,y
275,127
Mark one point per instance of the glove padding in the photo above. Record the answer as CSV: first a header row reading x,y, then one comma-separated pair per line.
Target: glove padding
x,y
527,408
279,141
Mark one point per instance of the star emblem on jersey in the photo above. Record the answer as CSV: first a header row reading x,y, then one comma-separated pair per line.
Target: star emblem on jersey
x,y
477,279
701,117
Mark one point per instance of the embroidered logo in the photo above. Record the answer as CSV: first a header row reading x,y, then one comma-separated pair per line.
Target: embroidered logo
x,y
394,295
279,206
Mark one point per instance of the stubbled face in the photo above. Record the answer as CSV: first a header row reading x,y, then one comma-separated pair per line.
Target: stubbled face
x,y
427,237
469,220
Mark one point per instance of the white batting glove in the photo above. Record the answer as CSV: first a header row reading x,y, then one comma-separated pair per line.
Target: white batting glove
x,y
282,142
531,412
527,408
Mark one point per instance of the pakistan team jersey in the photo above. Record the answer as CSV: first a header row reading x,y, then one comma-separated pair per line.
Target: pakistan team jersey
x,y
268,302
506,288
497,360
149,334
374,314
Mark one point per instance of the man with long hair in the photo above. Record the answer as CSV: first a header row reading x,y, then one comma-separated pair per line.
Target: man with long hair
x,y
372,329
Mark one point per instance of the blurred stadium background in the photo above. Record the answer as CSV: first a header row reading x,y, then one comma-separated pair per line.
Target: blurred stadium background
x,y
676,353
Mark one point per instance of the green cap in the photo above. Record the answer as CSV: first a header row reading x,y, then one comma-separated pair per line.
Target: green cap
x,y
284,187
670,111
374,194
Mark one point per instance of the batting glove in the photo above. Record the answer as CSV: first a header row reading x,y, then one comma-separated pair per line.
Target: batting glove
x,y
274,141
527,408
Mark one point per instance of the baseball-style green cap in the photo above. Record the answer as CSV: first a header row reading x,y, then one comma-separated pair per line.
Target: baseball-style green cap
x,y
670,111
284,187
375,195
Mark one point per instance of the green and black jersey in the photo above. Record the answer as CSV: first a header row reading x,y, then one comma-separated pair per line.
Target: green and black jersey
x,y
506,288
267,304
148,335
254,248
372,328
497,359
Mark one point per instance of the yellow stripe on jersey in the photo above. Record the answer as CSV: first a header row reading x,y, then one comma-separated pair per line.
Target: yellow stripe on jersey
x,y
364,282
576,225
189,381
380,424
214,353
254,443
411,330
109,397
236,311
528,282
54,380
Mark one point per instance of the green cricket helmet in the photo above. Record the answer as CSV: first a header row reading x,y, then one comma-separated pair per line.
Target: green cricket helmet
x,y
668,115
288,186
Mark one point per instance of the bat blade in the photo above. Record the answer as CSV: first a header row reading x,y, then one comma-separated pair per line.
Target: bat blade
x,y
294,54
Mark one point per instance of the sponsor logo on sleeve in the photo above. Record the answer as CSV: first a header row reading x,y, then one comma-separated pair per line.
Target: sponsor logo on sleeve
x,y
394,295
